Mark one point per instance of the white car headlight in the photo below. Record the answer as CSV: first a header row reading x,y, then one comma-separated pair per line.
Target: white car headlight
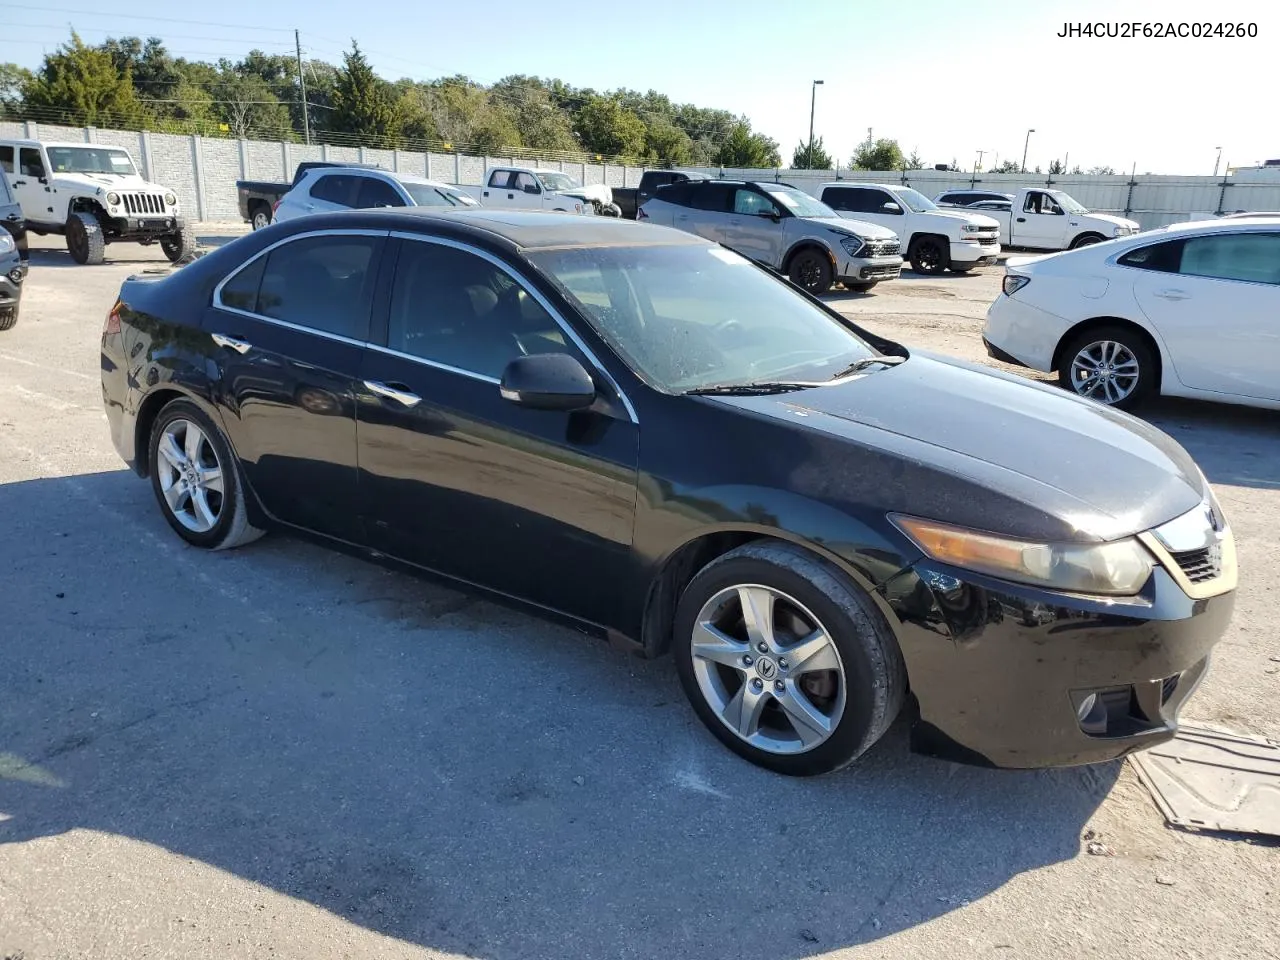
x,y
970,228
1117,568
170,200
113,199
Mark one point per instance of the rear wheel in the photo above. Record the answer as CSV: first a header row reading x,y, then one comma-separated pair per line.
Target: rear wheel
x,y
85,241
786,661
811,271
8,317
261,216
1111,365
196,479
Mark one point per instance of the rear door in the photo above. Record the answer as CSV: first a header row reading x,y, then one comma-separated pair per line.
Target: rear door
x,y
499,188
291,328
326,193
30,187
537,504
1215,301
709,211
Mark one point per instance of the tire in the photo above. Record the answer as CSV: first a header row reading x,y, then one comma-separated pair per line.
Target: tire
x,y
855,693
1117,390
811,271
1086,240
930,256
230,525
260,216
9,317
179,246
954,269
85,242
859,287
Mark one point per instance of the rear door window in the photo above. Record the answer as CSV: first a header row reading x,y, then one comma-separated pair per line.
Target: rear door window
x,y
1247,257
335,188
323,283
712,197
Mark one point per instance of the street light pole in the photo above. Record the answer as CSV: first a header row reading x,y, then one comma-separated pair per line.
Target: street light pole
x,y
1218,161
813,102
1025,145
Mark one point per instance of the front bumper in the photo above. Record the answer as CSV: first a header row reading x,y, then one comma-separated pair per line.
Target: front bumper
x,y
13,270
144,228
870,269
1002,675
973,253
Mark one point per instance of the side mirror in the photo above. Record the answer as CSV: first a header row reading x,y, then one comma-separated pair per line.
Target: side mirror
x,y
548,381
891,207
770,215
531,188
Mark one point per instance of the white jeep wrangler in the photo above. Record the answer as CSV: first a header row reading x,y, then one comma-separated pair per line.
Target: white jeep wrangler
x,y
92,194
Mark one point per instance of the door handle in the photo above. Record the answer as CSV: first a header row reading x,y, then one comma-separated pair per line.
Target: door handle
x,y
511,196
1173,294
19,183
1022,219
394,392
232,343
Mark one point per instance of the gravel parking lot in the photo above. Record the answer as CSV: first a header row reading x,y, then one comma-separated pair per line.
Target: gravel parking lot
x,y
284,751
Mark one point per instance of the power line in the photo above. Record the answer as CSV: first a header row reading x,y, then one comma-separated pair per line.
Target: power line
x,y
115,35
115,15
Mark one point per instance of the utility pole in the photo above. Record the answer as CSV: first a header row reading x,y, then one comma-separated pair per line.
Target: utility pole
x,y
1216,162
302,86
1025,145
979,164
813,102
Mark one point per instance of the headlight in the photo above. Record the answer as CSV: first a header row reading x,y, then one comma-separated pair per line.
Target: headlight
x,y
1118,568
6,242
113,199
1012,283
852,245
970,228
170,200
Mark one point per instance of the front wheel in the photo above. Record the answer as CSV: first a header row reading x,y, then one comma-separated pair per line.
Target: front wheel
x,y
1087,240
196,479
85,241
180,245
786,661
1111,365
811,271
929,256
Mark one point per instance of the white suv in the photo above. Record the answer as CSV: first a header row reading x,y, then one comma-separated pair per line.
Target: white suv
x,y
92,194
326,189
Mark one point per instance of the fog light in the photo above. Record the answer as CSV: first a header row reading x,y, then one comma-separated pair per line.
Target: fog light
x,y
16,274
1086,706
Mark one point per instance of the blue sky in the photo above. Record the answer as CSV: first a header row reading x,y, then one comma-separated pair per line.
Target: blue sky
x,y
944,77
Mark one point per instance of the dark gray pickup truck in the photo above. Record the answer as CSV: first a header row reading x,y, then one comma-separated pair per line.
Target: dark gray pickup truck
x,y
631,200
258,198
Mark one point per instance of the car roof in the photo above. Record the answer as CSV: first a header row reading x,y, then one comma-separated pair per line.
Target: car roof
x,y
1219,224
394,174
526,229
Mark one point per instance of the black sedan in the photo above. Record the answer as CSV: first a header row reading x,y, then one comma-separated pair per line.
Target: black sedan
x,y
647,435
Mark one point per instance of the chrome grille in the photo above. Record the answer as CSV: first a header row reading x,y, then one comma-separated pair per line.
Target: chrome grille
x,y
1200,565
988,241
882,248
143,203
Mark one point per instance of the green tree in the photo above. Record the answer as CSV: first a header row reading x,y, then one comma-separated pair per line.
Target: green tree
x,y
1008,166
915,161
465,118
1102,171
85,83
666,142
606,127
743,148
882,155
811,158
248,106
541,122
363,103
1056,168
12,79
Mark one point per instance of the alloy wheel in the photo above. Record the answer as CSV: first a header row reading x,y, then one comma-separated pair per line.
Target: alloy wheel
x,y
190,476
1105,370
768,669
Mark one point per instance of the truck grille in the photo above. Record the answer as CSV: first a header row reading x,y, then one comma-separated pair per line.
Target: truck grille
x,y
1202,565
989,241
143,203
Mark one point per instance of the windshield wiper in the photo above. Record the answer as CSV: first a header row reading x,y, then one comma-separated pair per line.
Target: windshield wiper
x,y
888,360
749,389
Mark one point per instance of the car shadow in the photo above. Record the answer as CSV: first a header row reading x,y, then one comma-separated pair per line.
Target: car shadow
x,y
49,255
446,771
1232,444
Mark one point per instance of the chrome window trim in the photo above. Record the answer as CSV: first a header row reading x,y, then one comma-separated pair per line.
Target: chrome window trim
x,y
531,291
435,364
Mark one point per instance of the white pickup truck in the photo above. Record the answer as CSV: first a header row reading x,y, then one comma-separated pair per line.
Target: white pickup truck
x,y
1044,219
528,188
933,240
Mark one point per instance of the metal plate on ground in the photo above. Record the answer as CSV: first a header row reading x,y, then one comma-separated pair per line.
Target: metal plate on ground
x,y
1211,780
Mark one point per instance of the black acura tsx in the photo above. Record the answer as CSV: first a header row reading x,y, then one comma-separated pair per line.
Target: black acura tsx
x,y
650,437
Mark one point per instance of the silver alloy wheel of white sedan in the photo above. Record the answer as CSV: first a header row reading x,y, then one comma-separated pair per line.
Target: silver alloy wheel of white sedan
x,y
190,476
1105,370
768,669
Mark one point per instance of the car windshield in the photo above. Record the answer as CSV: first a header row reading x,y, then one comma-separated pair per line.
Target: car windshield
x,y
1067,202
558,181
90,160
690,316
799,203
429,195
916,201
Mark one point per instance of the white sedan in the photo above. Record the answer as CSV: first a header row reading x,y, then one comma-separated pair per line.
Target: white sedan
x,y
1189,310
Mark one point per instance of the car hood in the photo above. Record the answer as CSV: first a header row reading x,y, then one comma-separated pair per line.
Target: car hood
x,y
959,217
594,191
850,224
1111,218
108,181
953,441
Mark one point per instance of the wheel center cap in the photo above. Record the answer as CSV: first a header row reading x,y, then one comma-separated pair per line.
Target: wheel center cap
x,y
767,668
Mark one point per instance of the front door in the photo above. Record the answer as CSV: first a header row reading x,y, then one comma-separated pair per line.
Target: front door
x,y
291,328
1219,313
1041,223
536,504
753,230
34,196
